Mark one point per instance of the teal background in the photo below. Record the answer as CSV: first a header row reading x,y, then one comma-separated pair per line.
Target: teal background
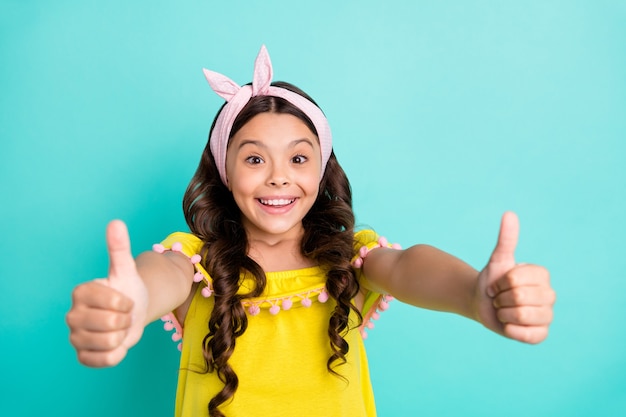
x,y
444,114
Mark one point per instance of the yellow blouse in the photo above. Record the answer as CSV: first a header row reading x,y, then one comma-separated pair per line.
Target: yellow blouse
x,y
281,358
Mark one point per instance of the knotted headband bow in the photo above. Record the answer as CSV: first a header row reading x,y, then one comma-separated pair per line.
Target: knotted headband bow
x,y
238,96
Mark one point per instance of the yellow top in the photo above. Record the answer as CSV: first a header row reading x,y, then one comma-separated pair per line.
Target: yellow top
x,y
281,358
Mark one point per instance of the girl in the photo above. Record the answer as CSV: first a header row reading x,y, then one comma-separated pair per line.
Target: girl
x,y
273,289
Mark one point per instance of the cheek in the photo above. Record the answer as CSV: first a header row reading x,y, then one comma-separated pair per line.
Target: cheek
x,y
311,179
313,187
240,188
235,184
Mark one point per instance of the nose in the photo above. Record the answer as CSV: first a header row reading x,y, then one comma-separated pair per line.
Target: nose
x,y
279,176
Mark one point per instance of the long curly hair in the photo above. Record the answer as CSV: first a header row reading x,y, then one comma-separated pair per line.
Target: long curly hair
x,y
212,215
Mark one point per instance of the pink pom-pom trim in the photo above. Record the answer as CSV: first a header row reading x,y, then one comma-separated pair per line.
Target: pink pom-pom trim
x,y
364,250
277,304
286,304
195,260
381,304
274,309
170,323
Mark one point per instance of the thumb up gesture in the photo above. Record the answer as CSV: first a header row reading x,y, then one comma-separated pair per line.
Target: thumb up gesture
x,y
514,300
108,315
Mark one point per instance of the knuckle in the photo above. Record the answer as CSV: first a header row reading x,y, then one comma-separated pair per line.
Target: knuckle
x,y
111,358
552,297
503,315
513,279
77,293
536,335
88,358
531,335
520,315
74,318
111,341
83,358
120,303
70,319
118,321
114,301
99,359
518,296
75,340
542,274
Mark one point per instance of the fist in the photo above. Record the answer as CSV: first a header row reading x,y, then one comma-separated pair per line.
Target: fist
x,y
107,316
523,302
515,300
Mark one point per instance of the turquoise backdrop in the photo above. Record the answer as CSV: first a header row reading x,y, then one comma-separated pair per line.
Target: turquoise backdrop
x,y
445,114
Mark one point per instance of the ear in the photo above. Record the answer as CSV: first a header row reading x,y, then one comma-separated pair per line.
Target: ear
x,y
228,182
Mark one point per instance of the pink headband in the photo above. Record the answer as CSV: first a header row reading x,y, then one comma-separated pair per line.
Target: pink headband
x,y
237,97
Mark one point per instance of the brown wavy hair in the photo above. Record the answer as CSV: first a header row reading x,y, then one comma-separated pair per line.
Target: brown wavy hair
x,y
212,215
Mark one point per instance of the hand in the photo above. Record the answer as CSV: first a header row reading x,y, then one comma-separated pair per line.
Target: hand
x,y
514,300
108,315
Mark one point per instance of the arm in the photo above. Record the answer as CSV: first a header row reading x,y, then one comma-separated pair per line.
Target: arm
x,y
514,300
168,278
423,276
108,315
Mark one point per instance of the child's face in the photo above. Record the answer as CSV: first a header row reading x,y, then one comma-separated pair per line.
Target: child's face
x,y
273,165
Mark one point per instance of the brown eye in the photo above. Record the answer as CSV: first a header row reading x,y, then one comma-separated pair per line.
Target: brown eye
x,y
254,160
299,159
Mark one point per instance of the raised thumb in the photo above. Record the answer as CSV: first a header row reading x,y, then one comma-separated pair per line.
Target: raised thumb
x,y
121,261
504,251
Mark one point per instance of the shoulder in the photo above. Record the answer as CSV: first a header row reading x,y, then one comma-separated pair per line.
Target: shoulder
x,y
365,236
365,240
187,243
370,239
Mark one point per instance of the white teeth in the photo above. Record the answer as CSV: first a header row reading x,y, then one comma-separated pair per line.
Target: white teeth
x,y
279,202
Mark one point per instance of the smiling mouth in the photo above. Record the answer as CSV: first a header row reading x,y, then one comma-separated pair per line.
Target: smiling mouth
x,y
277,202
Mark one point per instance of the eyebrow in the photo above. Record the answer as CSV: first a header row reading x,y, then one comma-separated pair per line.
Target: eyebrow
x,y
260,144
